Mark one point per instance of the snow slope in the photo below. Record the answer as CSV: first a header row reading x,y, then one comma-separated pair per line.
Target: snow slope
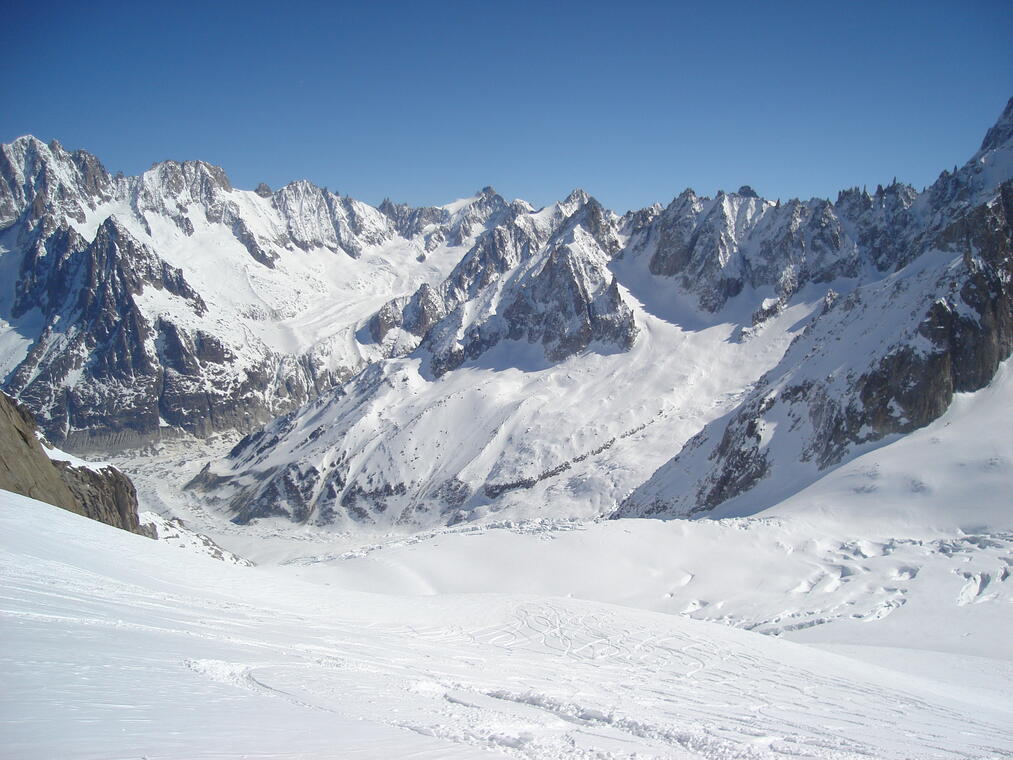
x,y
955,474
141,649
507,432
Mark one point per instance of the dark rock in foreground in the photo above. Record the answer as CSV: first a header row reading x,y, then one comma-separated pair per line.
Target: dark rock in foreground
x,y
105,494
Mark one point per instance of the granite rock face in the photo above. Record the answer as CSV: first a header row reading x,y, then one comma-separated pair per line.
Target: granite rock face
x,y
24,466
104,494
538,277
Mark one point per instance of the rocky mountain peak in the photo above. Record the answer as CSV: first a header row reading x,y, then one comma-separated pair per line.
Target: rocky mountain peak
x,y
45,180
197,179
1001,132
575,199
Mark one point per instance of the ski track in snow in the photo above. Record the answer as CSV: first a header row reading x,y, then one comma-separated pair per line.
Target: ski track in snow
x,y
152,629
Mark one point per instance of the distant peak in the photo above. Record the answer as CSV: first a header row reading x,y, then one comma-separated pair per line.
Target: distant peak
x,y
747,192
577,196
27,140
1001,131
174,171
31,143
264,190
487,192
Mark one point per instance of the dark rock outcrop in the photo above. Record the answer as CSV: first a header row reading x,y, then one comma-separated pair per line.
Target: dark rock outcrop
x,y
105,494
24,466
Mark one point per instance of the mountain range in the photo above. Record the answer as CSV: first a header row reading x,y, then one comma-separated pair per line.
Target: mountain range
x,y
486,360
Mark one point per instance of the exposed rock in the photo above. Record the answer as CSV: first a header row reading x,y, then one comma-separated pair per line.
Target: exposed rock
x,y
1001,132
104,494
24,466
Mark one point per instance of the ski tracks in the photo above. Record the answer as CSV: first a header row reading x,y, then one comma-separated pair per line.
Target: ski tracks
x,y
555,679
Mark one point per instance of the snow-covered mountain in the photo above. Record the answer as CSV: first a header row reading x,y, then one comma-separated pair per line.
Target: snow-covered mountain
x,y
487,357
571,353
878,361
136,307
464,386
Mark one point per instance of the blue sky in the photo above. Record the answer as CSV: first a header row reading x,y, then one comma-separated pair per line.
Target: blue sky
x,y
428,101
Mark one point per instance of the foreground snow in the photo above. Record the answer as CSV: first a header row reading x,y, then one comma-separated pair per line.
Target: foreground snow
x,y
117,646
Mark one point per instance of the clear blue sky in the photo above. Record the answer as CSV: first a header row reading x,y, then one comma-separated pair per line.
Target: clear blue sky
x,y
427,101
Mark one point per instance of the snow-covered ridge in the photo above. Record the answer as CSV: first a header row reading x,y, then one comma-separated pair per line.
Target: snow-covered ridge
x,y
137,308
884,360
571,353
485,356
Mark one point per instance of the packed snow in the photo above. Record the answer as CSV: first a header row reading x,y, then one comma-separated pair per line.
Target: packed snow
x,y
147,650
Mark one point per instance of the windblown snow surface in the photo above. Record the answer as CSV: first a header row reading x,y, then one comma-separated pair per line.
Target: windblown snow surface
x,y
868,616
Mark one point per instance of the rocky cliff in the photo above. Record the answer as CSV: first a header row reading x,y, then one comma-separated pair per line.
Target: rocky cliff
x,y
102,493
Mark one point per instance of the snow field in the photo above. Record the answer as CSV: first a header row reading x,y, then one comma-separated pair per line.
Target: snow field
x,y
146,650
